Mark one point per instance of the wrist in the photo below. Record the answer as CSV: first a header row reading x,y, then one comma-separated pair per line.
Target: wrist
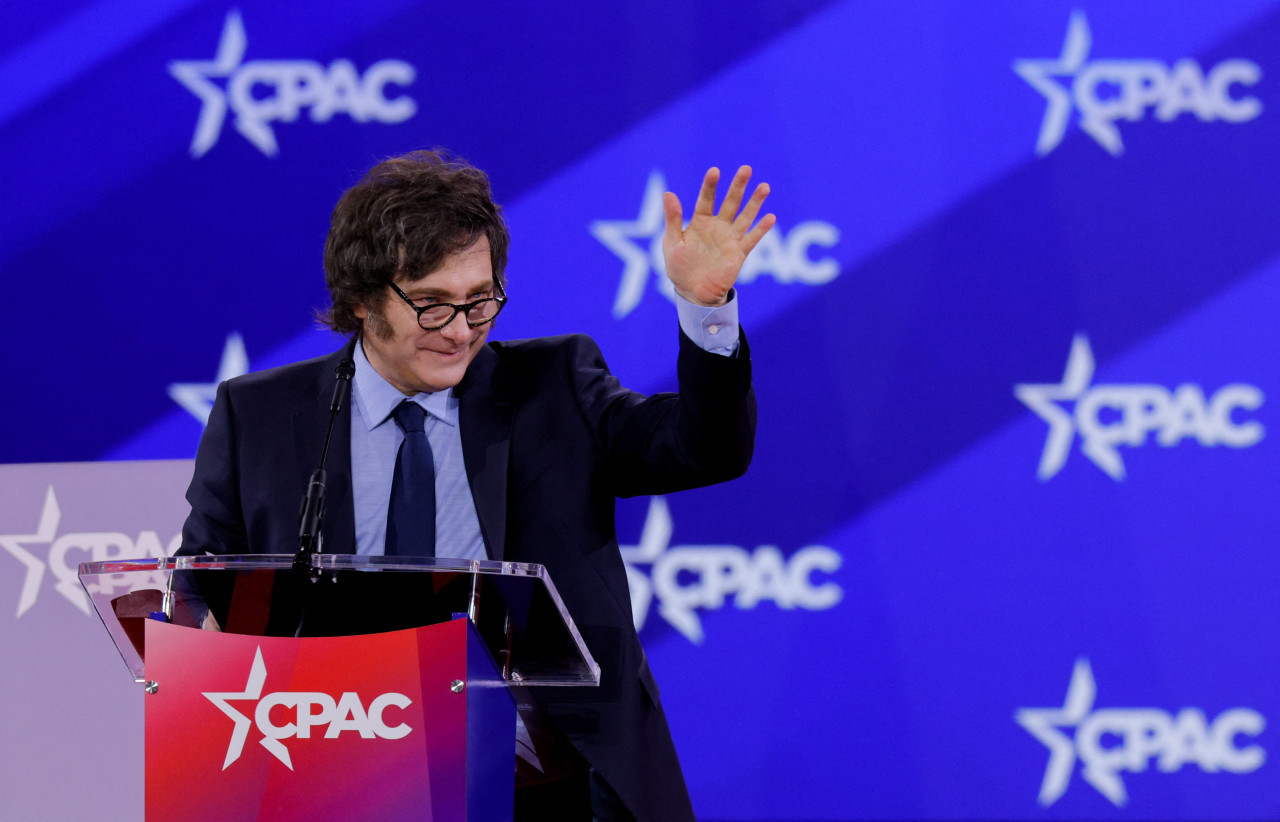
x,y
705,303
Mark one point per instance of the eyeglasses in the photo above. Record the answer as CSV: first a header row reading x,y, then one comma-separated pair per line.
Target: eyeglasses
x,y
437,315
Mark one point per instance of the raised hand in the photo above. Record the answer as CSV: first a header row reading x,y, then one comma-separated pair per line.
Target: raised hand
x,y
704,258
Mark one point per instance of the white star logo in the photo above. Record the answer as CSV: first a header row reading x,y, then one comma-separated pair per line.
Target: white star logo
x,y
638,243
654,539
197,397
196,76
1043,398
1042,723
1039,75
45,530
240,733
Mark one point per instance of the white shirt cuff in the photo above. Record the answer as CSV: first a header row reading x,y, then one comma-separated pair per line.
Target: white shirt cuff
x,y
711,329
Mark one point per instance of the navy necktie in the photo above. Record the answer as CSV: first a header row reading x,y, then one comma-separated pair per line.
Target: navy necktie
x,y
411,515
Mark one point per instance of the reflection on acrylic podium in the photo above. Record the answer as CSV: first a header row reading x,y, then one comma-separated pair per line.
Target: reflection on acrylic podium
x,y
355,688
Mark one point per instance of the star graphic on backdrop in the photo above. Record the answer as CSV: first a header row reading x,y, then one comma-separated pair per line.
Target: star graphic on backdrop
x,y
1043,724
197,397
1043,398
633,242
1039,75
240,733
196,74
655,536
45,530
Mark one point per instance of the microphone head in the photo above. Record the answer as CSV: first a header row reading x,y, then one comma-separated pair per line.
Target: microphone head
x,y
346,369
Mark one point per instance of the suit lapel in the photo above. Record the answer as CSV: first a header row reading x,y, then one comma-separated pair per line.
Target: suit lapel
x,y
310,423
485,414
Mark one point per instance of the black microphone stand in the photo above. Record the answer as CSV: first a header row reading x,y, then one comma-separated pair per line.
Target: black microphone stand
x,y
312,512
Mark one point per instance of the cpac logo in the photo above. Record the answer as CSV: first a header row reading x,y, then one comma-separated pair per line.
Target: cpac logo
x,y
92,547
1110,416
311,710
787,257
263,91
685,578
1105,91
1111,740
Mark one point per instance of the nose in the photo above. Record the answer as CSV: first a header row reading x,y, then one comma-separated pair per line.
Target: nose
x,y
457,330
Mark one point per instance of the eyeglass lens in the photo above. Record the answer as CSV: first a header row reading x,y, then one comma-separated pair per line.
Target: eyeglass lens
x,y
439,314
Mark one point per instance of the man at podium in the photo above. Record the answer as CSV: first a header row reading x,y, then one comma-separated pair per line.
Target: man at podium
x,y
457,446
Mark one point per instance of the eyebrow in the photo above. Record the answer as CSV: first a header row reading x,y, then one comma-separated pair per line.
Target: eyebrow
x,y
428,291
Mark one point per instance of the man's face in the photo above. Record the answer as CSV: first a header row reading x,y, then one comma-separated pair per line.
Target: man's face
x,y
414,360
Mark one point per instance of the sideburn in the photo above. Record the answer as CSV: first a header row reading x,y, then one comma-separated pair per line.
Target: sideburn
x,y
375,324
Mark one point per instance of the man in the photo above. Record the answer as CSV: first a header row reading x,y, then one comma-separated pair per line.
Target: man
x,y
529,441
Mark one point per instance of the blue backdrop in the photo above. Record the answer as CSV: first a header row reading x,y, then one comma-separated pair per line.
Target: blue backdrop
x,y
1007,548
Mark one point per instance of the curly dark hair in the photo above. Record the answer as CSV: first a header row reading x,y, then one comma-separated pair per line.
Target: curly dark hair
x,y
400,222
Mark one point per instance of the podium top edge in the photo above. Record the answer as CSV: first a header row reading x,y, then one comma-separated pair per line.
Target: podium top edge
x,y
327,562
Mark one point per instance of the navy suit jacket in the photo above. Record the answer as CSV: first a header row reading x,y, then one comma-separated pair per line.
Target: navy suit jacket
x,y
549,439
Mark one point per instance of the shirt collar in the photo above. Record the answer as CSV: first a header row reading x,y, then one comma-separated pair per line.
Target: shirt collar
x,y
376,398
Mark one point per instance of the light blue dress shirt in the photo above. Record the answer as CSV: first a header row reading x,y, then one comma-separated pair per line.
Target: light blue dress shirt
x,y
375,439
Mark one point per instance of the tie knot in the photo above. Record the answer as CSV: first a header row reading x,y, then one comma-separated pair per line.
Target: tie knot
x,y
410,417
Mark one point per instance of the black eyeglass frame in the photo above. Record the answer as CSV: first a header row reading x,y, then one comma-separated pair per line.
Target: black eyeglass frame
x,y
464,308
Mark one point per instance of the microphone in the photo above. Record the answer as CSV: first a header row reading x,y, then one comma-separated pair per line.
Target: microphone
x,y
312,511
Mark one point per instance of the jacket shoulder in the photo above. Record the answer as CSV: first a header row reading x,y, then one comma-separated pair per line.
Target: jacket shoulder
x,y
547,353
539,362
299,377
563,345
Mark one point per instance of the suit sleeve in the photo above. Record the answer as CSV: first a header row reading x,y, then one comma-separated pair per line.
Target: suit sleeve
x,y
663,443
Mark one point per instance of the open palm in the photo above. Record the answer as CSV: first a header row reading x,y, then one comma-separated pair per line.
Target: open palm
x,y
704,258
